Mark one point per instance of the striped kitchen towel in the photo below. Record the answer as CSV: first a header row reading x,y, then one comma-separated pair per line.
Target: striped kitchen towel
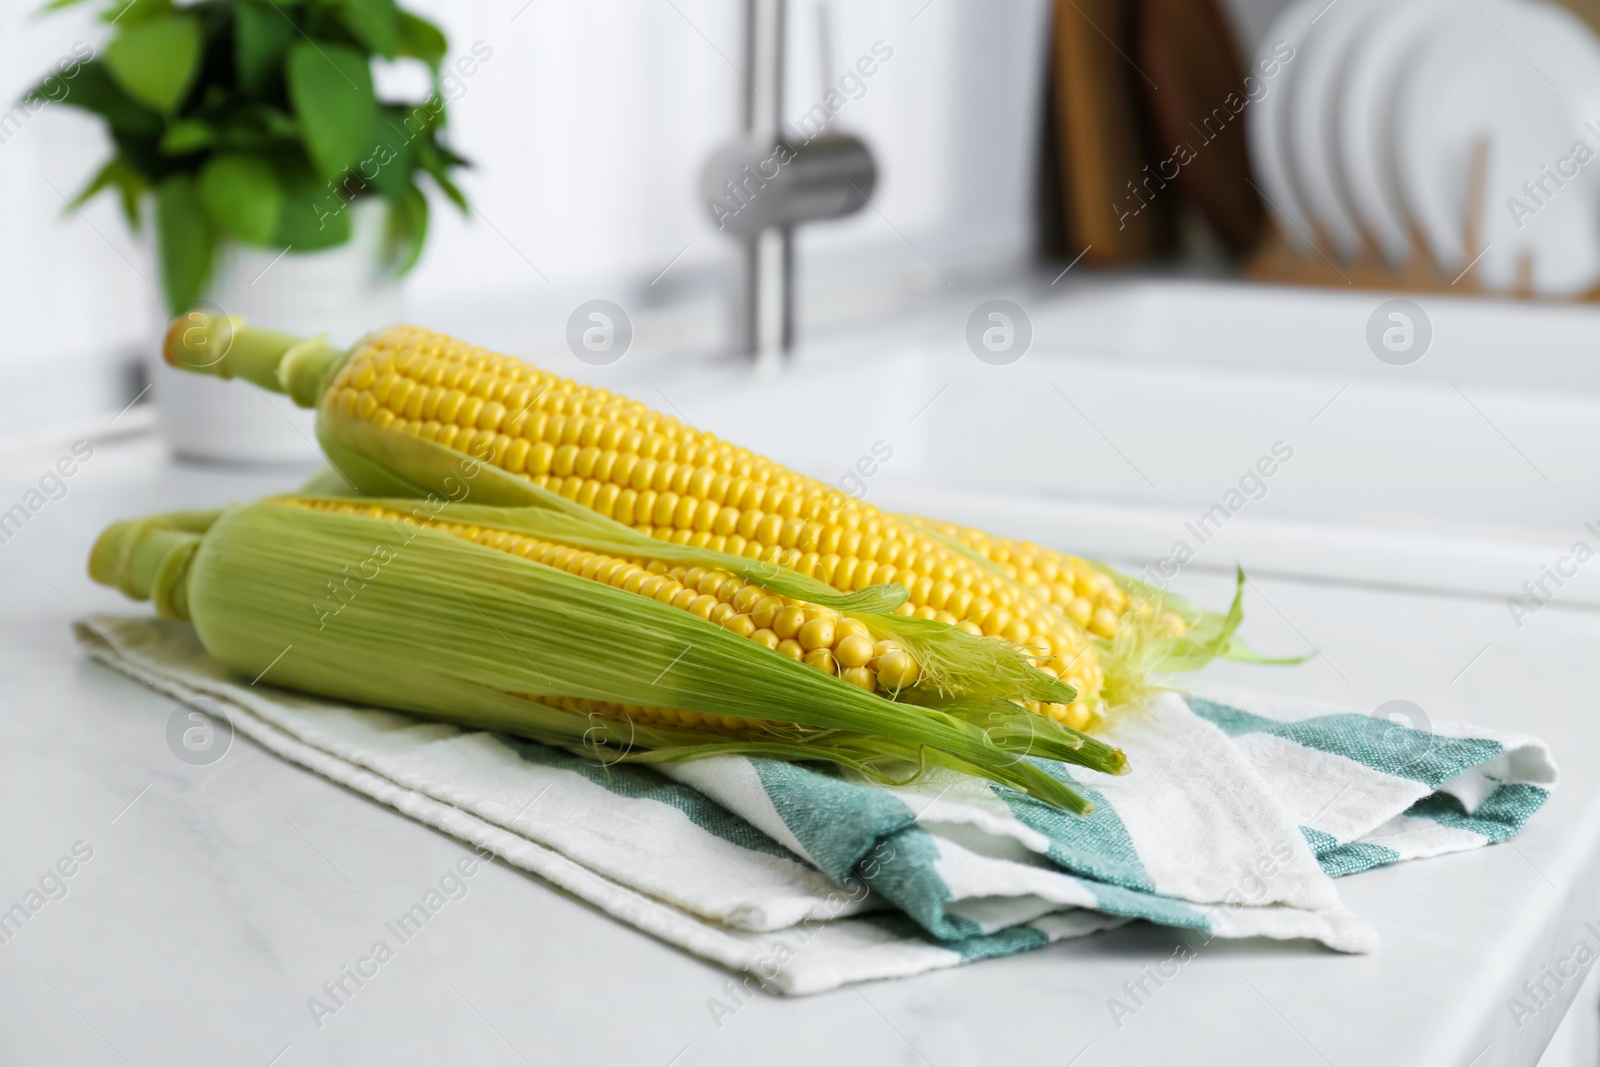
x,y
1240,811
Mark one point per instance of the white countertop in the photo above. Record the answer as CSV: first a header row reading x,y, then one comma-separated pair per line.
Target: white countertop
x,y
218,898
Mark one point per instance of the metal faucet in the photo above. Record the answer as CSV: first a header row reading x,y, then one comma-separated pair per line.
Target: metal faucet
x,y
762,185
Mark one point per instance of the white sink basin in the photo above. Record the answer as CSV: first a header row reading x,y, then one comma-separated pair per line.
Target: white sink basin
x,y
1153,407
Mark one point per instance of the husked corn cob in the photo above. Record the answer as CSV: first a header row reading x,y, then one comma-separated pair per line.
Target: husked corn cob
x,y
569,629
651,472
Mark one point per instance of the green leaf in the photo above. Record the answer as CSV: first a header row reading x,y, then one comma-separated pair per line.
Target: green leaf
x,y
184,243
375,23
279,123
256,124
143,154
451,158
407,230
421,39
93,90
156,61
187,135
392,157
331,88
428,159
261,39
450,189
313,216
129,183
242,196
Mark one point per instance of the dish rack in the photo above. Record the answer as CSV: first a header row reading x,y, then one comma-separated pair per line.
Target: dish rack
x,y
1277,260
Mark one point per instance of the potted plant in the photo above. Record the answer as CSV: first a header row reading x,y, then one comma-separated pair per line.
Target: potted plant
x,y
277,184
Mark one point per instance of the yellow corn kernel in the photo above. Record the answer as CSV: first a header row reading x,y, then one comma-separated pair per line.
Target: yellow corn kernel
x,y
765,613
1104,623
788,621
817,633
860,676
853,650
822,659
896,670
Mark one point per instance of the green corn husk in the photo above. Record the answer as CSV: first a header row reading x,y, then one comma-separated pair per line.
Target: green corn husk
x,y
437,625
952,662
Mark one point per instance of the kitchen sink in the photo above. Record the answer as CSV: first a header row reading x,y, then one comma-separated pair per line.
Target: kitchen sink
x,y
1204,424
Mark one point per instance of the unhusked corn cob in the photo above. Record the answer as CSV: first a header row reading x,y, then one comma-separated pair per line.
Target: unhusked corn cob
x,y
524,620
818,636
1088,596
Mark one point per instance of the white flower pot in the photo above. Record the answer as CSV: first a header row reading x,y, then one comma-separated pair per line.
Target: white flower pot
x,y
343,292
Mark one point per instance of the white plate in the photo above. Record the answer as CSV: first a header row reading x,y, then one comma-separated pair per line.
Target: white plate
x,y
1493,71
1380,53
1307,119
1264,126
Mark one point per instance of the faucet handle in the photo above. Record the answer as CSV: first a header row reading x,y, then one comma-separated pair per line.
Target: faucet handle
x,y
750,186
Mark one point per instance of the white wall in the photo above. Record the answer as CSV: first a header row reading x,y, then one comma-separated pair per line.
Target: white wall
x,y
591,155
588,126
70,285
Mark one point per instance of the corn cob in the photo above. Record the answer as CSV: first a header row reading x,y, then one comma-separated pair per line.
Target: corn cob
x,y
820,637
399,410
537,622
1085,593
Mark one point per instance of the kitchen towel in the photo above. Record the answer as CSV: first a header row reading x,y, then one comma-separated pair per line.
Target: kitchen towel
x,y
1241,810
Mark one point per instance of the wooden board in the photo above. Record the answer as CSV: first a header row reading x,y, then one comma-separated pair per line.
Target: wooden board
x,y
1113,201
1198,103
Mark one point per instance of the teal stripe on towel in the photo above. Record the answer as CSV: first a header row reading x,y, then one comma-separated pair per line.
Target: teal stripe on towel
x,y
1339,860
836,822
641,783
1096,845
858,831
1501,814
1165,911
1378,743
1007,942
904,870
